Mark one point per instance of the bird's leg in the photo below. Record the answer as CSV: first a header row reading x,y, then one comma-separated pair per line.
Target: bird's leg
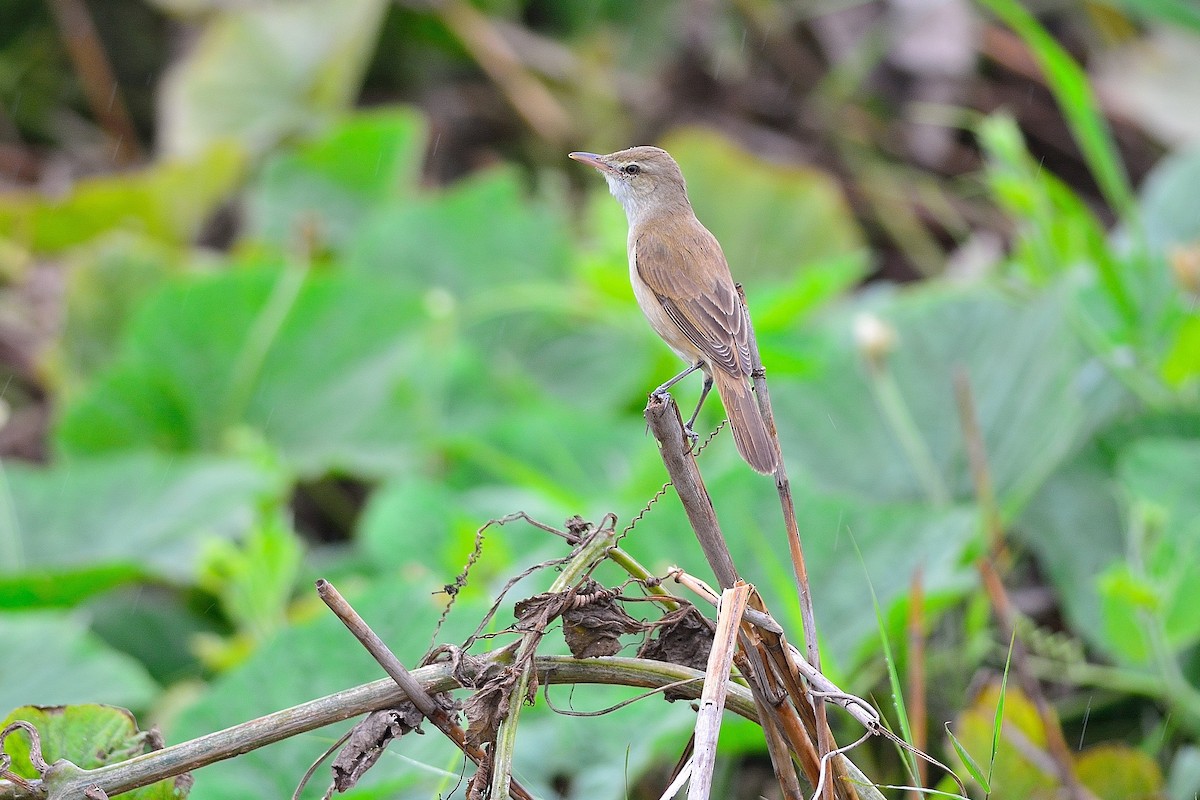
x,y
687,428
708,384
661,390
692,436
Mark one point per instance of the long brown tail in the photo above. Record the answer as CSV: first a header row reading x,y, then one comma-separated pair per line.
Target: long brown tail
x,y
750,433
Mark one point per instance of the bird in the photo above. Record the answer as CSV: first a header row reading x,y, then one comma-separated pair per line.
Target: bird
x,y
683,285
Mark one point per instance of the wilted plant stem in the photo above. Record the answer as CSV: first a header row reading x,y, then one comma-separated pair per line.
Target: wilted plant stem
x,y
591,552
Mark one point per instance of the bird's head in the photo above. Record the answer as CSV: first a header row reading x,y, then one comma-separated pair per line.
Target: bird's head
x,y
644,179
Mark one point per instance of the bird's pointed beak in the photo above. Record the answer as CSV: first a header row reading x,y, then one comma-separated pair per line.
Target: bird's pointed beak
x,y
592,160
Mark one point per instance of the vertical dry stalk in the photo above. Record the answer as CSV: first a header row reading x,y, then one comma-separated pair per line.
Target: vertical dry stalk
x,y
662,415
993,584
531,99
712,699
96,77
788,506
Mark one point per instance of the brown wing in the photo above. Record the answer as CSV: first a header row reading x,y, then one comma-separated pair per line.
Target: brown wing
x,y
684,266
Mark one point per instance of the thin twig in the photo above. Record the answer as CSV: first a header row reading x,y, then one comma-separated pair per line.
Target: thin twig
x,y
424,702
531,99
221,745
96,77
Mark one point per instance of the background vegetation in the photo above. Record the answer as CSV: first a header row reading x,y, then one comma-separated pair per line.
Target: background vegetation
x,y
292,291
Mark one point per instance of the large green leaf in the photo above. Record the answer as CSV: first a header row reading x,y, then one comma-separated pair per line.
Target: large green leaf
x,y
336,181
1074,527
771,219
1038,394
322,367
106,281
1161,480
50,658
259,72
494,262
89,736
468,239
1078,525
89,524
853,549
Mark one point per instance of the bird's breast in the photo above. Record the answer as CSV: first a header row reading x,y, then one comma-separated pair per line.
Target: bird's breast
x,y
657,316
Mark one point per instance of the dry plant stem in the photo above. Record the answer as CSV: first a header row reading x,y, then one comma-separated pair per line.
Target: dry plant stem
x,y
712,699
799,715
1056,745
403,678
856,707
586,556
67,781
497,58
778,750
981,475
787,504
662,415
96,77
993,584
783,725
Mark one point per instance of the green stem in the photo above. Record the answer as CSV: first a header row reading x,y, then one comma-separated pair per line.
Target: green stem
x,y
506,737
898,417
262,335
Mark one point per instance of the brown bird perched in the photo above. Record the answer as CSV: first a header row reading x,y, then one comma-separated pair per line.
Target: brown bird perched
x,y
682,283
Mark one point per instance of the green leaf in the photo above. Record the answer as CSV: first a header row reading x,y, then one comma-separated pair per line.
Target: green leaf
x,y
89,736
89,524
1073,526
337,180
106,282
50,658
261,72
1073,91
1163,479
1182,362
893,538
479,234
1013,774
969,762
321,367
771,219
1169,212
254,579
1175,12
166,202
1038,394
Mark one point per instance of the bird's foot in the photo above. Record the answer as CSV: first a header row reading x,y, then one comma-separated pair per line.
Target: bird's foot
x,y
692,438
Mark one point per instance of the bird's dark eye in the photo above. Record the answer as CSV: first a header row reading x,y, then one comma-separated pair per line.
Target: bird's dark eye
x,y
631,169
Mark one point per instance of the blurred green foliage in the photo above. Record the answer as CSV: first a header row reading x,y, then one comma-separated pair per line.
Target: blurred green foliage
x,y
462,352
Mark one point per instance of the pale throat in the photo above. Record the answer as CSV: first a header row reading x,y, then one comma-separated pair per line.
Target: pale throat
x,y
635,205
642,205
